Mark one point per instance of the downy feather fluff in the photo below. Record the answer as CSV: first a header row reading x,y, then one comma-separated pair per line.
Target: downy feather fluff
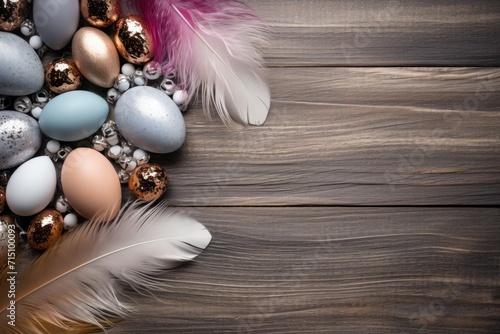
x,y
213,46
77,282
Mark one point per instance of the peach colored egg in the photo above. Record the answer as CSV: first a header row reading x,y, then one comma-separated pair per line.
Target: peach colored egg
x,y
91,185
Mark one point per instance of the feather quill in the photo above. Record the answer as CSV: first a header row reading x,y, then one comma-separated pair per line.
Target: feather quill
x,y
213,47
76,283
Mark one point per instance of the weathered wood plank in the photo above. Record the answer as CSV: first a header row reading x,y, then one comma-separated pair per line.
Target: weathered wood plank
x,y
351,136
335,270
382,32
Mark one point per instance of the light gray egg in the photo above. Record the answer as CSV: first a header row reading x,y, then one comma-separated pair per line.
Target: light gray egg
x,y
150,120
21,71
56,21
20,138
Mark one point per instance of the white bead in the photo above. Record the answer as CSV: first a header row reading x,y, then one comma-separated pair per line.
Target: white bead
x,y
36,42
152,70
113,95
139,81
126,149
128,69
180,97
26,31
62,204
142,157
53,146
70,221
167,86
36,112
123,86
115,152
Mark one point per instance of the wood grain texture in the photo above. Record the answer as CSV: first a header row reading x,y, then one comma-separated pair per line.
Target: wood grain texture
x,y
335,270
351,136
382,32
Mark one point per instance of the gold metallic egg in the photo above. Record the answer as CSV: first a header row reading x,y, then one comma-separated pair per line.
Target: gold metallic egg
x,y
62,75
2,199
148,182
134,40
100,13
12,14
45,229
8,239
95,56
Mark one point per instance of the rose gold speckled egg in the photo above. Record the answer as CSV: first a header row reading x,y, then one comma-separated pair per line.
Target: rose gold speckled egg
x,y
133,40
100,13
13,13
2,199
45,229
62,75
148,182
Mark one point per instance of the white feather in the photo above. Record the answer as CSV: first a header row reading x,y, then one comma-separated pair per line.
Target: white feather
x,y
77,281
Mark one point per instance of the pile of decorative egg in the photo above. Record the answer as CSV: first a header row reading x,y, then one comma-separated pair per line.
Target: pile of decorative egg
x,y
65,152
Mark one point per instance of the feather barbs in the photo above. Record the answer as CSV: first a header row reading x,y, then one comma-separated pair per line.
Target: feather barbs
x,y
213,47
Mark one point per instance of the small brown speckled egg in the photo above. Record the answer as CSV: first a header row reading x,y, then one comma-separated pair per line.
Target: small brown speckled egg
x,y
148,182
2,199
45,229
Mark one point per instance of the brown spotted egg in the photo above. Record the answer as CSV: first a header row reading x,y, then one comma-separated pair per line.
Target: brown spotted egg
x,y
45,229
148,182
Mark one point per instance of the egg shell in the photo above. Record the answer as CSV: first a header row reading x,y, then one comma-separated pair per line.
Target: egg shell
x,y
21,71
32,186
91,185
73,115
56,21
45,229
150,120
20,138
12,14
95,56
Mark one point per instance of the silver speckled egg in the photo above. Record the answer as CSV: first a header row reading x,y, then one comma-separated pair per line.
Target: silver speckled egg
x,y
21,71
150,120
20,138
8,238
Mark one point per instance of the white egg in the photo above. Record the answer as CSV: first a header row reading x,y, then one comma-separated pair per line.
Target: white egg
x,y
32,186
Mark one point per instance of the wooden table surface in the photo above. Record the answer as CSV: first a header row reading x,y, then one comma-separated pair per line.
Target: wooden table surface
x,y
369,201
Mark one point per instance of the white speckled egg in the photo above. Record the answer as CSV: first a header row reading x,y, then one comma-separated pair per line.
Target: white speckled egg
x,y
150,120
56,21
73,115
91,185
32,186
21,71
20,138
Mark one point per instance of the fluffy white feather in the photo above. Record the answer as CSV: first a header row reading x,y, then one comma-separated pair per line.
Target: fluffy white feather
x,y
213,46
76,282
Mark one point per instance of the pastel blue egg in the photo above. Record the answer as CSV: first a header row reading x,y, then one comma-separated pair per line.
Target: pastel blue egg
x,y
73,115
150,120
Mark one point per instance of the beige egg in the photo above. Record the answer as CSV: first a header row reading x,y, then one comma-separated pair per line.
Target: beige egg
x,y
45,229
91,185
95,56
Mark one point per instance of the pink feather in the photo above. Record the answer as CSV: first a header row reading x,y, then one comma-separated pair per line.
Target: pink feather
x,y
213,46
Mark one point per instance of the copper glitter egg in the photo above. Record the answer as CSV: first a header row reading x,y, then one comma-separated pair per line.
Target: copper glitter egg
x,y
2,199
148,182
134,40
62,75
45,229
12,14
100,13
8,239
